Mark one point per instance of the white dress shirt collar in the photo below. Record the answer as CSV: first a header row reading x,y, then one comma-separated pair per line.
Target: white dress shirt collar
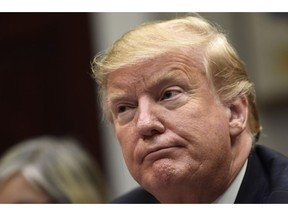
x,y
229,196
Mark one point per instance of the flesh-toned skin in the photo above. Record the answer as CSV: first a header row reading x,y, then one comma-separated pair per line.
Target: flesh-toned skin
x,y
179,142
17,189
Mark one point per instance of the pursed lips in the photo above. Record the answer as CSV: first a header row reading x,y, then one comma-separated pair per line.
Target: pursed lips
x,y
157,148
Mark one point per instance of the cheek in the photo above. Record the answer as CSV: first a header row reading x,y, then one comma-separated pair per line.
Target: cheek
x,y
127,142
201,124
208,140
189,118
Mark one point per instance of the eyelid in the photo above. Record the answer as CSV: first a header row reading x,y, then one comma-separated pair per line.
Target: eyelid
x,y
125,116
171,89
121,105
124,104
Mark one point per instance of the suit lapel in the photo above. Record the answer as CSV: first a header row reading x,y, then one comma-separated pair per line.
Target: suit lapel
x,y
254,186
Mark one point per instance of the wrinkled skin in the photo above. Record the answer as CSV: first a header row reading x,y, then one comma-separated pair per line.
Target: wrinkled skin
x,y
179,142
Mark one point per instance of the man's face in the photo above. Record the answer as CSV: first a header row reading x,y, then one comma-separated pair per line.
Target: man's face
x,y
171,127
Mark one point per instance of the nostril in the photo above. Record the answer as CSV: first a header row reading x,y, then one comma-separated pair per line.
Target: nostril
x,y
151,134
154,131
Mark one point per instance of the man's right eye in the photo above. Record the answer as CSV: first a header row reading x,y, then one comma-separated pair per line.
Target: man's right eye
x,y
121,109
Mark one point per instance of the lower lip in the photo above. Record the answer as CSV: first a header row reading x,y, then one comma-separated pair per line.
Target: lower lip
x,y
162,153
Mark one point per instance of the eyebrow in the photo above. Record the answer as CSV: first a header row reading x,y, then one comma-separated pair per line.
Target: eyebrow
x,y
156,80
113,97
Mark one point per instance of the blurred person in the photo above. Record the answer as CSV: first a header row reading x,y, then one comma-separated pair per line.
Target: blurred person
x,y
50,170
184,112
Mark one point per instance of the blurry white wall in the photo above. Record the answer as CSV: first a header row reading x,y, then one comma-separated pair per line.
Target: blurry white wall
x,y
255,36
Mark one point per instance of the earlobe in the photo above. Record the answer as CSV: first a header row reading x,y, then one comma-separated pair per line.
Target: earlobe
x,y
238,115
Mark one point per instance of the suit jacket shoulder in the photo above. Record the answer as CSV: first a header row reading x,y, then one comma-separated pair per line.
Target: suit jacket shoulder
x,y
138,195
266,177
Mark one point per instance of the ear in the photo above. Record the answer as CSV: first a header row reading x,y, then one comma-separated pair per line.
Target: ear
x,y
238,115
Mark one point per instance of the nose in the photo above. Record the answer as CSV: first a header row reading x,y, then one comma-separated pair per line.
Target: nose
x,y
148,120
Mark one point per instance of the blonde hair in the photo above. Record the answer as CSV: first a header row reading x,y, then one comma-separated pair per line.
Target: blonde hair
x,y
203,41
59,166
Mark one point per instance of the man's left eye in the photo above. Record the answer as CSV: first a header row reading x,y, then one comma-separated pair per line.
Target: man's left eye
x,y
169,94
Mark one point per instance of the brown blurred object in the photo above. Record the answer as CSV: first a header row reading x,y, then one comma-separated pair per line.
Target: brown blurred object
x,y
45,83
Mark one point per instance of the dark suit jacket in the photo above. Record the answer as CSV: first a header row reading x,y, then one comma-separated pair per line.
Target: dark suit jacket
x,y
265,180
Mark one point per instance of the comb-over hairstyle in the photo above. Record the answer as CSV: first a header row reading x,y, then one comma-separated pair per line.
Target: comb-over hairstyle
x,y
202,41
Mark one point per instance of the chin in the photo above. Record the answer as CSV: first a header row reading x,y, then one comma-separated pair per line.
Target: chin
x,y
163,173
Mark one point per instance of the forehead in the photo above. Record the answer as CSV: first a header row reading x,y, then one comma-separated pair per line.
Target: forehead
x,y
150,76
166,65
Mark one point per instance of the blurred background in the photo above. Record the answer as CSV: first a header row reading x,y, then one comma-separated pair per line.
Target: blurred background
x,y
46,85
